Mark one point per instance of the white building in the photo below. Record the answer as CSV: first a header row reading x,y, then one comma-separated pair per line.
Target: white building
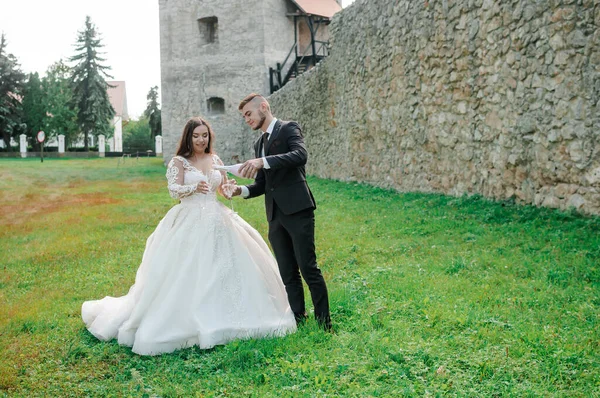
x,y
118,99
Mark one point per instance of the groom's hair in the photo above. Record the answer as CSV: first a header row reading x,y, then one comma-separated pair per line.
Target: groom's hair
x,y
257,98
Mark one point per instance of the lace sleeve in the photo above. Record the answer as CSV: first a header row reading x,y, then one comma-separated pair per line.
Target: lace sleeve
x,y
177,189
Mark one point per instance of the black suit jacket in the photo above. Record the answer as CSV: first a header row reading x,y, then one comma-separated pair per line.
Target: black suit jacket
x,y
284,183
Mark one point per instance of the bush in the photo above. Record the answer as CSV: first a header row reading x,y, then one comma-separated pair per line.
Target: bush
x,y
91,149
137,137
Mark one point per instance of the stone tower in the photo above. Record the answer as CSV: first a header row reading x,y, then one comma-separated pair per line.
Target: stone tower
x,y
214,53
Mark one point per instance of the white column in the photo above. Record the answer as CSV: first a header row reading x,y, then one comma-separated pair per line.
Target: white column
x,y
158,139
23,145
111,144
118,133
61,144
101,146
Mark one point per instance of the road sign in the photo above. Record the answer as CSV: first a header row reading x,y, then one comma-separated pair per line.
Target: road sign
x,y
41,136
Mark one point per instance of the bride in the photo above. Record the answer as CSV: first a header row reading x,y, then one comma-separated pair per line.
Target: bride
x,y
206,277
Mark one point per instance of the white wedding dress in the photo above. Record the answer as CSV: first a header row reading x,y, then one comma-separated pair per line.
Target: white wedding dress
x,y
206,278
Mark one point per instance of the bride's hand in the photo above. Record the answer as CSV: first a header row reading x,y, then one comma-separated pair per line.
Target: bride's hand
x,y
228,188
203,187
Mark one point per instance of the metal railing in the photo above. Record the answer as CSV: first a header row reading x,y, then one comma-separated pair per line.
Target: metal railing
x,y
282,74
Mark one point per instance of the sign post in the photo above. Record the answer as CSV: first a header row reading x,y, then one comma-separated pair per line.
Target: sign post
x,y
41,136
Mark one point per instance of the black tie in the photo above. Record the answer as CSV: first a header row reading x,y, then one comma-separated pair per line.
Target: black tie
x,y
265,138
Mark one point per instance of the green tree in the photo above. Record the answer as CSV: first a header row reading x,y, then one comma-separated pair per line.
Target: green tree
x,y
62,112
136,136
34,107
95,112
11,89
152,112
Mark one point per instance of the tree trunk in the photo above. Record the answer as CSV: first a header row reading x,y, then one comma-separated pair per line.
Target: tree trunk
x,y
6,139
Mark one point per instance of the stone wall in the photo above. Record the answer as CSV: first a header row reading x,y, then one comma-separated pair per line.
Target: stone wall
x,y
499,98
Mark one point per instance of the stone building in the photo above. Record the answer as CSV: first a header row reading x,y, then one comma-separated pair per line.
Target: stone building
x,y
215,52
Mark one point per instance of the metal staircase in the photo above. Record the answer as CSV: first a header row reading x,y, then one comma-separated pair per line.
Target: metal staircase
x,y
297,63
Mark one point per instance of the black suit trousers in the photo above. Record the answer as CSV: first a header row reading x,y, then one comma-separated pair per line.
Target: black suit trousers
x,y
292,238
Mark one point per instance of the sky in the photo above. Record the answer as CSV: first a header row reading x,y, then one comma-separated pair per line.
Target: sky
x,y
41,32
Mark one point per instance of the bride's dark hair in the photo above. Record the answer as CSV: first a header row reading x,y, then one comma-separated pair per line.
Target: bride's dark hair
x,y
185,147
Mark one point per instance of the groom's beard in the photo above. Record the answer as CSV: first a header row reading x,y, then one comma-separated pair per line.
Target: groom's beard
x,y
263,117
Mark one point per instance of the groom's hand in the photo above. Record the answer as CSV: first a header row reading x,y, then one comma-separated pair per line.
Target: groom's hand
x,y
251,167
236,191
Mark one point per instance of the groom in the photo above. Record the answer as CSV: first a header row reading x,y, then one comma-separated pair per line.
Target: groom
x,y
279,174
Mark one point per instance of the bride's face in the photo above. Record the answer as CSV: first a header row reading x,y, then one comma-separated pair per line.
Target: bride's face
x,y
200,138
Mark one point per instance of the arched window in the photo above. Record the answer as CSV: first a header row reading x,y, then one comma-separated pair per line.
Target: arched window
x,y
209,28
215,105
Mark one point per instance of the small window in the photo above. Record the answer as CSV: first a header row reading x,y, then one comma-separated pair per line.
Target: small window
x,y
215,105
208,29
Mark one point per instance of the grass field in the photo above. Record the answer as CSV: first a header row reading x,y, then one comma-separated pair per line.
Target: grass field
x,y
431,295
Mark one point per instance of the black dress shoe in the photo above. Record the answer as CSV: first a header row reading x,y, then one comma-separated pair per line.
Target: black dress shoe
x,y
325,323
300,317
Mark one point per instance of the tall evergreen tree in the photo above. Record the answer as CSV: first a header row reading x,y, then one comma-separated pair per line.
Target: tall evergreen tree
x,y
34,107
153,114
62,112
95,112
11,89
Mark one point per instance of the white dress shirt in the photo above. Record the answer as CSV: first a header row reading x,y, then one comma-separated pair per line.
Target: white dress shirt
x,y
245,191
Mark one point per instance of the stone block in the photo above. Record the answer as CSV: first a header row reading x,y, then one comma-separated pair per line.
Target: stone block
x,y
557,42
551,201
593,176
578,39
576,201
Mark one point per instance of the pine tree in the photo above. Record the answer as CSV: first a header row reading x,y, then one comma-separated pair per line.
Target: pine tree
x,y
95,112
153,114
11,89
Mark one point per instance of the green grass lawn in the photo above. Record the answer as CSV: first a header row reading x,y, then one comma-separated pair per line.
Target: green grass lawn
x,y
430,295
